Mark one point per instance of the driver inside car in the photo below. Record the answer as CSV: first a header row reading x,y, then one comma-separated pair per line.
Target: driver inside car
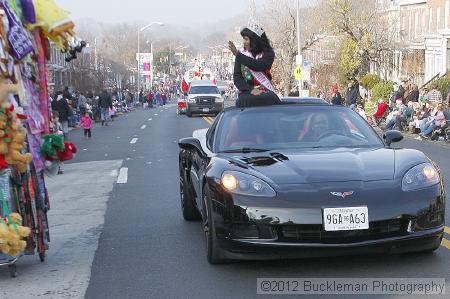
x,y
316,126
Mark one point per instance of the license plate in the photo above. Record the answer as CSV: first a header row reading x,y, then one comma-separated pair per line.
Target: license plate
x,y
351,218
205,109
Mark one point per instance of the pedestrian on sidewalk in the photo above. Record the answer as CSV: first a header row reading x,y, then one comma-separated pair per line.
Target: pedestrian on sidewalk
x,y
64,112
82,103
105,103
435,96
86,123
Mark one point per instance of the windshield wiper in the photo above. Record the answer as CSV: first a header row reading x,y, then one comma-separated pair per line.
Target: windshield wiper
x,y
246,150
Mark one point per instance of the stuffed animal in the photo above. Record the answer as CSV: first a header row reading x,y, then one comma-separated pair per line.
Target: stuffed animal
x,y
14,155
52,144
69,150
11,233
58,27
22,230
5,89
4,121
54,21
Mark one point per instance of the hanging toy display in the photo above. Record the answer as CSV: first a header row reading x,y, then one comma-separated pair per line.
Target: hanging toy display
x,y
26,149
58,27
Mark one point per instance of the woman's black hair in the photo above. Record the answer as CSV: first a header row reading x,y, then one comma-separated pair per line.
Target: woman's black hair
x,y
257,44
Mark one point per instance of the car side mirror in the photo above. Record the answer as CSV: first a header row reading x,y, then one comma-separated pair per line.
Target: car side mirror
x,y
191,143
392,136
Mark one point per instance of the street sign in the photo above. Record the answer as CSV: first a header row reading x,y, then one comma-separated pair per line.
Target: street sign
x,y
298,73
298,59
144,57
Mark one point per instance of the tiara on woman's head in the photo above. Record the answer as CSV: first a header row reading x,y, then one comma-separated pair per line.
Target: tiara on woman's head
x,y
254,27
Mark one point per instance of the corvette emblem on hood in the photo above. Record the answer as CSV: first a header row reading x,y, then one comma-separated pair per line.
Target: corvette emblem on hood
x,y
342,194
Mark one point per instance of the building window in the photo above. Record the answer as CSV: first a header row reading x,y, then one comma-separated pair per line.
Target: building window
x,y
409,25
416,23
430,20
447,12
403,23
424,20
438,18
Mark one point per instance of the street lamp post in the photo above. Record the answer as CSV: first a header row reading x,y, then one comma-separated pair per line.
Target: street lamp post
x,y
139,54
300,58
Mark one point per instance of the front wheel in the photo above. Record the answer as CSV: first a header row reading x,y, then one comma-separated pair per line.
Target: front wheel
x,y
213,250
188,207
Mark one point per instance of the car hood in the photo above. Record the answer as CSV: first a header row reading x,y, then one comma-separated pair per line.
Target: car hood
x,y
315,166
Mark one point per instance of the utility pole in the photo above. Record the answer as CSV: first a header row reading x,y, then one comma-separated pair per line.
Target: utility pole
x,y
299,59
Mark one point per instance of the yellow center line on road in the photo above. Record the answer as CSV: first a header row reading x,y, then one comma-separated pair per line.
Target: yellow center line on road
x,y
208,120
447,230
445,243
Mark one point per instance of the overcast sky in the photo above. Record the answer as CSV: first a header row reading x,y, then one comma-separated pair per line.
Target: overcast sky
x,y
168,11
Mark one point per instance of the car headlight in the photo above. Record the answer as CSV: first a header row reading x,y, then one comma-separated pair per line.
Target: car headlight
x,y
192,100
245,184
419,177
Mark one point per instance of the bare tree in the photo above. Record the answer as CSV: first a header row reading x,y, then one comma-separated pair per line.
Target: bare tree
x,y
362,23
280,24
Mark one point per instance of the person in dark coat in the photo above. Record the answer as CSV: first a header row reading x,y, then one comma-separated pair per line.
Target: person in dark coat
x,y
414,95
352,94
252,66
336,98
64,112
105,103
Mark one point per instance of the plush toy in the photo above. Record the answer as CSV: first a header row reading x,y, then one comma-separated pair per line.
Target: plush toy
x,y
14,155
69,150
22,230
7,88
4,122
58,27
54,21
11,233
52,144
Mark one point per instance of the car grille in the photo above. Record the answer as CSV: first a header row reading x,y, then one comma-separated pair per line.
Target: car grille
x,y
316,233
205,101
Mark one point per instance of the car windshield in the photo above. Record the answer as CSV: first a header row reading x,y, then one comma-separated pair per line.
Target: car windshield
x,y
293,127
204,90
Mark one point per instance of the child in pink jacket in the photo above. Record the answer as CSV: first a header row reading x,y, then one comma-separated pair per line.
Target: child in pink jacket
x,y
86,123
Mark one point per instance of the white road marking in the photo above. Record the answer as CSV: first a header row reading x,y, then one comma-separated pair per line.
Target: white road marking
x,y
128,159
156,114
118,137
123,176
143,127
148,163
134,140
150,119
84,149
114,173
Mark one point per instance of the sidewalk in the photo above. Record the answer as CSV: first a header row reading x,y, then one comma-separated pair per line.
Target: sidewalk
x,y
78,204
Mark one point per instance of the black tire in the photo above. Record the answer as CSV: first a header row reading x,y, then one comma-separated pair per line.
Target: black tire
x,y
13,270
188,113
214,253
188,207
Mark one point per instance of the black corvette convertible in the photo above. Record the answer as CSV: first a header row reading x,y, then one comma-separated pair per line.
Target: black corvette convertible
x,y
296,180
